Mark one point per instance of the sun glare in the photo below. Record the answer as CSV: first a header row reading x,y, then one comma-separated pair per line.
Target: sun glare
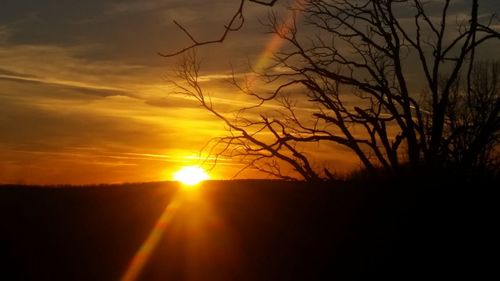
x,y
191,175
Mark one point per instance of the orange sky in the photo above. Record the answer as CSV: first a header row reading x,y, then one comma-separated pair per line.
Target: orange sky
x,y
84,96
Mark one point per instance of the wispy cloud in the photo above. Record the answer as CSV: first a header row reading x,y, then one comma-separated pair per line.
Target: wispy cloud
x,y
138,7
83,87
4,34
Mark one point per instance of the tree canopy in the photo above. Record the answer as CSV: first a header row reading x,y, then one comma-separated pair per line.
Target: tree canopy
x,y
397,83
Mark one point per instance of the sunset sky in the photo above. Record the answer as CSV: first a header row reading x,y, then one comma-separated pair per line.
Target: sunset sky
x,y
84,96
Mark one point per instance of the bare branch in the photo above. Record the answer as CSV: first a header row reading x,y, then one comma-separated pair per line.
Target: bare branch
x,y
232,25
235,23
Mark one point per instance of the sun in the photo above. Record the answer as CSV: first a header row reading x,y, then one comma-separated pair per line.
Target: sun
x,y
191,175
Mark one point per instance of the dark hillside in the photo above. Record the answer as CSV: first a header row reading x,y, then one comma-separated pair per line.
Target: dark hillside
x,y
249,230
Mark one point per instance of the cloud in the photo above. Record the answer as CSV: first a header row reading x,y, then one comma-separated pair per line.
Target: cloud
x,y
63,69
4,34
66,86
140,7
7,74
55,143
172,102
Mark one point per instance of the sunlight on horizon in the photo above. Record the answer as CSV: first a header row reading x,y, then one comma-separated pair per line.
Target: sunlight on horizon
x,y
191,175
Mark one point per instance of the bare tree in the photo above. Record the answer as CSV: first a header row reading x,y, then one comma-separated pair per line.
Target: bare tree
x,y
472,131
354,73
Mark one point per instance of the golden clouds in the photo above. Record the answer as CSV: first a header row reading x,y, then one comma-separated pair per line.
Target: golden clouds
x,y
69,120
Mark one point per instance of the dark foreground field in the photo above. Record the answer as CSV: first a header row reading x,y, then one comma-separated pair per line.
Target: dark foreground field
x,y
249,230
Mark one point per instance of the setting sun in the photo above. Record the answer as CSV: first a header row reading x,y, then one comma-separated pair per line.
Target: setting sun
x,y
191,175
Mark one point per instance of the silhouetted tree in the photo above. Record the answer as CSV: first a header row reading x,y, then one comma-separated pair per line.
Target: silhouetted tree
x,y
350,84
472,135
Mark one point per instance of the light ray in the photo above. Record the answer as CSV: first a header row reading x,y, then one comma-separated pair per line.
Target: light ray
x,y
211,245
276,41
142,256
